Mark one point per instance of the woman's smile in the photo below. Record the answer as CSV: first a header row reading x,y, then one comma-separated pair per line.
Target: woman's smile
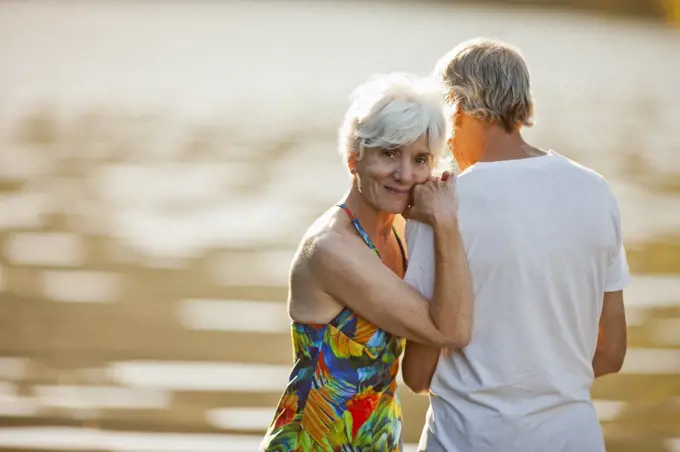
x,y
398,191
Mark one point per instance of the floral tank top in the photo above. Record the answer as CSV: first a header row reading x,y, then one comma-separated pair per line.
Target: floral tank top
x,y
342,393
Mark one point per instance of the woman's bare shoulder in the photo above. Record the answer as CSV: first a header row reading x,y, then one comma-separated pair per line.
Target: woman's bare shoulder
x,y
323,236
327,241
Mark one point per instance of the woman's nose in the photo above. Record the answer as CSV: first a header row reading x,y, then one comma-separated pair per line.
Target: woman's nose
x,y
404,173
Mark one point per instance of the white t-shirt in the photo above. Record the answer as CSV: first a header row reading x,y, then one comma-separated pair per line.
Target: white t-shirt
x,y
543,239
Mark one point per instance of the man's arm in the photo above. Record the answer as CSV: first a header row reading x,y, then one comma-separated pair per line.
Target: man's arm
x,y
418,366
612,340
420,360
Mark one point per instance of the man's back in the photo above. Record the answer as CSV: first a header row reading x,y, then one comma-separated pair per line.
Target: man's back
x,y
543,242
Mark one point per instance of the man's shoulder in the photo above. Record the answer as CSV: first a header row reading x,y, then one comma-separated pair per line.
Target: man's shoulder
x,y
417,232
480,185
551,162
587,183
563,163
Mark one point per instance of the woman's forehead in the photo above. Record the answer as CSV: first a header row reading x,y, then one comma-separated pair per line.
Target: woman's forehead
x,y
420,146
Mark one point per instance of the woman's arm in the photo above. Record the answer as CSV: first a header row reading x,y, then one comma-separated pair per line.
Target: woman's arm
x,y
350,273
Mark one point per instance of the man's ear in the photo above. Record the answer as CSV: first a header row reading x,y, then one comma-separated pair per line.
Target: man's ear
x,y
531,120
352,162
457,115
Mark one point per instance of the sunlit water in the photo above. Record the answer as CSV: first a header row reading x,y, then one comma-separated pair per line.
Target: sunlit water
x,y
158,164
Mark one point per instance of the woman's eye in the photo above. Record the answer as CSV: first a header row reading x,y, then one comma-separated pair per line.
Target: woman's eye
x,y
388,153
421,160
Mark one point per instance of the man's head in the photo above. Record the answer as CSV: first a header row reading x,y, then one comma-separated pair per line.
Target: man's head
x,y
486,82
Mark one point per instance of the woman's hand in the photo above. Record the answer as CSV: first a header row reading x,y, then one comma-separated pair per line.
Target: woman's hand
x,y
434,201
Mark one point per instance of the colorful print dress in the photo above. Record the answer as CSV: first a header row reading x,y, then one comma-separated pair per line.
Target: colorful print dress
x,y
342,392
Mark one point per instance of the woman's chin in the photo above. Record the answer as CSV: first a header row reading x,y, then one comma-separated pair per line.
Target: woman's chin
x,y
394,208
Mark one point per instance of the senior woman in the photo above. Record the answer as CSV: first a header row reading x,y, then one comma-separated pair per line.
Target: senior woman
x,y
350,308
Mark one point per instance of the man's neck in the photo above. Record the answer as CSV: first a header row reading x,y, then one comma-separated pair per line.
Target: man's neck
x,y
493,144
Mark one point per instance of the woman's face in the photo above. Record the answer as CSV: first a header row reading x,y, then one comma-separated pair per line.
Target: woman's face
x,y
386,177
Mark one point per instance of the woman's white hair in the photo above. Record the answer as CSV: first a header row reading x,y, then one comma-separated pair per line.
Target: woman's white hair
x,y
389,111
489,80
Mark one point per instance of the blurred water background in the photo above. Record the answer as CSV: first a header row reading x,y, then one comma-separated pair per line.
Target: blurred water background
x,y
159,162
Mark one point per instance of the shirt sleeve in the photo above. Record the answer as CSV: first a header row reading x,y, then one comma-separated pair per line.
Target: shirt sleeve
x,y
618,273
420,272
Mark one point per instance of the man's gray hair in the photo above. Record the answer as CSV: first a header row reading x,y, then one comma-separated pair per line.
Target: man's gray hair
x,y
393,110
489,80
